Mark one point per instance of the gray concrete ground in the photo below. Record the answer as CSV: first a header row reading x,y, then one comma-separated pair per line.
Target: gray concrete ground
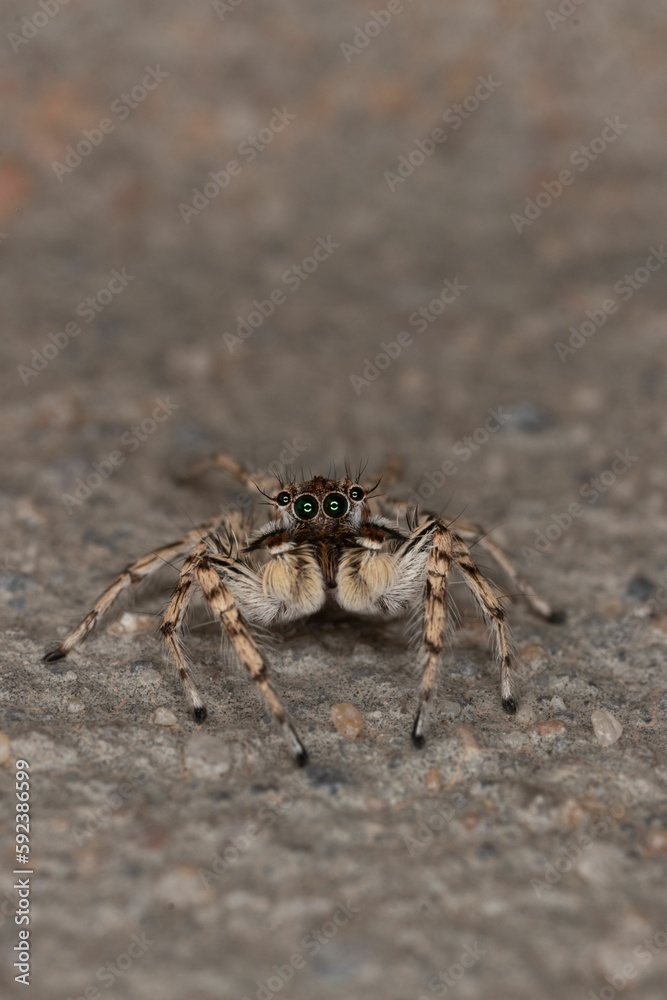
x,y
514,151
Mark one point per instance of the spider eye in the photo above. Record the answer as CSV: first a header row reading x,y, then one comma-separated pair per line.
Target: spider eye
x,y
335,505
356,493
305,507
283,499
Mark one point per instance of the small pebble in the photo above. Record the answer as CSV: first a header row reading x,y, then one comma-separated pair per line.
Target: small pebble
x,y
347,719
656,842
606,727
433,780
5,748
531,657
555,727
164,717
75,707
515,740
526,714
129,624
183,887
575,812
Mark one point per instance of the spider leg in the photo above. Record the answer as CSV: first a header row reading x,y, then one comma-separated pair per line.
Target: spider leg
x,y
222,603
135,573
447,548
221,460
473,533
494,613
438,566
203,567
172,627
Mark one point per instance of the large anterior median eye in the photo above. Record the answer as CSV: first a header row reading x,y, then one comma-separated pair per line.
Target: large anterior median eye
x,y
305,507
335,505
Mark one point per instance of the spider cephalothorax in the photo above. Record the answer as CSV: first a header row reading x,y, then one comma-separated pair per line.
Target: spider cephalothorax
x,y
329,540
323,521
321,504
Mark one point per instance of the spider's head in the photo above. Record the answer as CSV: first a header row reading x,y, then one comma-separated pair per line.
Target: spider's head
x,y
321,504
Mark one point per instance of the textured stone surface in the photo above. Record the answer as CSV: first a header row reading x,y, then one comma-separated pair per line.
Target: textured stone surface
x,y
520,842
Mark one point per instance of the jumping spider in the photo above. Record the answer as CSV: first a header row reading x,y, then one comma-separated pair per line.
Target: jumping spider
x,y
328,539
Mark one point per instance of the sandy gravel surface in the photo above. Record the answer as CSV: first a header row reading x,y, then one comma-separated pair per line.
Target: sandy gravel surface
x,y
299,232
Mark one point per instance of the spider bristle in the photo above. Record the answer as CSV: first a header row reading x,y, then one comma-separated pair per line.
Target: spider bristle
x,y
485,535
458,516
363,464
260,490
371,491
447,502
191,628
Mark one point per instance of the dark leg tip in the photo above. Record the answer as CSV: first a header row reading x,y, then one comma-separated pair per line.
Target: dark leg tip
x,y
301,758
510,706
53,655
200,714
557,617
418,739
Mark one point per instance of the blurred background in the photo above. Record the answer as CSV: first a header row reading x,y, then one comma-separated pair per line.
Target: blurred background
x,y
353,111
304,232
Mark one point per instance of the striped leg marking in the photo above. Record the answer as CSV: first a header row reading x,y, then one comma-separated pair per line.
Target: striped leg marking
x,y
223,605
172,628
493,613
434,621
540,607
135,573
